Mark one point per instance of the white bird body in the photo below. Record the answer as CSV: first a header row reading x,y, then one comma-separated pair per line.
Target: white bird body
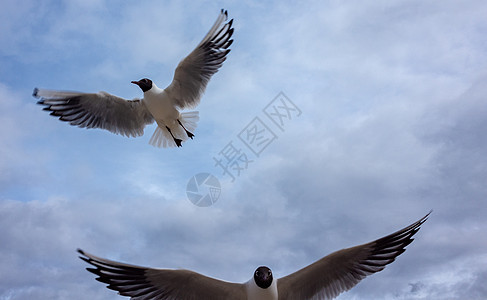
x,y
322,280
256,293
160,106
163,109
129,117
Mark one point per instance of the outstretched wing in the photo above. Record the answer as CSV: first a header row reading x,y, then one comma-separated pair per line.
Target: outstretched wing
x,y
97,110
341,270
162,284
194,72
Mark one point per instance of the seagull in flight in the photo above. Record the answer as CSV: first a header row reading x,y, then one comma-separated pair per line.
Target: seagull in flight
x,y
129,117
323,279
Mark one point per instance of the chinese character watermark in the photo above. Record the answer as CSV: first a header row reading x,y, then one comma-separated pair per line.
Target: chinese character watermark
x,y
281,109
232,161
257,136
234,158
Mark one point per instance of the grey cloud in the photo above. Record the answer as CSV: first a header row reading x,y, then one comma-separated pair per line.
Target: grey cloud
x,y
390,129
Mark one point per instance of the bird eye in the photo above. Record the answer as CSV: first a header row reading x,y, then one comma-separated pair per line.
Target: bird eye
x,y
257,273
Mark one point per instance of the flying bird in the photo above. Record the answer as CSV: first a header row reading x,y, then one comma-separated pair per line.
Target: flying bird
x,y
323,279
129,117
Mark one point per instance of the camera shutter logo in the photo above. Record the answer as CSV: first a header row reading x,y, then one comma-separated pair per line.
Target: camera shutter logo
x,y
203,189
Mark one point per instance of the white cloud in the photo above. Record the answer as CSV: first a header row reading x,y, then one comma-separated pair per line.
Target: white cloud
x,y
393,120
18,163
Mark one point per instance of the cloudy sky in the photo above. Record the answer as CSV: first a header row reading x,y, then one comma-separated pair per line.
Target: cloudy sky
x,y
393,123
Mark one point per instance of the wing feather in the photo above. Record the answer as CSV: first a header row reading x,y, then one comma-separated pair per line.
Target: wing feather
x,y
163,284
193,72
342,270
96,110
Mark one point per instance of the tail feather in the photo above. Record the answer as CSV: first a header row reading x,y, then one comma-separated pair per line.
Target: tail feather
x,y
190,120
161,137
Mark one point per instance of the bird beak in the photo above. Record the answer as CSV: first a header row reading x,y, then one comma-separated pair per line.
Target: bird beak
x,y
135,82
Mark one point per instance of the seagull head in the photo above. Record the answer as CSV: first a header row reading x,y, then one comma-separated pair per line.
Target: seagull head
x,y
263,277
145,84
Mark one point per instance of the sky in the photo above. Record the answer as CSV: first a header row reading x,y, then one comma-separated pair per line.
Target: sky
x,y
389,121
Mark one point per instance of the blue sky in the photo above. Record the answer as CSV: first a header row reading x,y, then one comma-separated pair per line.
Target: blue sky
x,y
393,99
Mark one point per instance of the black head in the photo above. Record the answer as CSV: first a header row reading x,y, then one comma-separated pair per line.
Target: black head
x,y
263,277
145,84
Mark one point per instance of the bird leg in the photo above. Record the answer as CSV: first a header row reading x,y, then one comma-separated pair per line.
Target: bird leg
x,y
177,141
190,135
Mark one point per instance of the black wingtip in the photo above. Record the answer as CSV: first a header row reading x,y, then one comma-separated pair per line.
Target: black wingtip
x,y
84,257
426,217
34,93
